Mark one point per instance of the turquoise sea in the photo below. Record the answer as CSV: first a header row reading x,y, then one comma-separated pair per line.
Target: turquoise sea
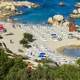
x,y
47,9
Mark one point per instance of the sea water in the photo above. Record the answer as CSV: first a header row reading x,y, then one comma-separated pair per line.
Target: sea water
x,y
48,8
72,52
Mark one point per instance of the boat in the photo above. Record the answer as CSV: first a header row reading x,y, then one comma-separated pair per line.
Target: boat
x,y
76,12
77,5
75,16
61,3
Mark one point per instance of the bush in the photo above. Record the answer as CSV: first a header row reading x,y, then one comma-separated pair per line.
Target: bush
x,y
29,37
16,69
26,40
78,61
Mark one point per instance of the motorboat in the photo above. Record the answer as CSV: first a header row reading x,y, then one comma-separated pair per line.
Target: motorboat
x,y
61,3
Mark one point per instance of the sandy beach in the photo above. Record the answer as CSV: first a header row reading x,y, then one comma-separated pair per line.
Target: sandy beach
x,y
44,41
16,37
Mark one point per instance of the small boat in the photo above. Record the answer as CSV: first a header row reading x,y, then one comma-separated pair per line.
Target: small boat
x,y
61,3
75,16
77,5
76,12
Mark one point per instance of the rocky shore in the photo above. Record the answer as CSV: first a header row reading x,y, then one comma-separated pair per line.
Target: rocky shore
x,y
25,3
8,9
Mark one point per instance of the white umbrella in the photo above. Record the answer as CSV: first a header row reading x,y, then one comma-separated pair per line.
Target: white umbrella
x,y
58,17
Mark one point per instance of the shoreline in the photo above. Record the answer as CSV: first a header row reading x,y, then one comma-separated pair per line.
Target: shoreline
x,y
60,49
25,3
11,7
44,42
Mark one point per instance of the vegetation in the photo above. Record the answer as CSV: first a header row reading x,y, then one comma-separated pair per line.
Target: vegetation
x,y
78,61
26,40
16,69
9,66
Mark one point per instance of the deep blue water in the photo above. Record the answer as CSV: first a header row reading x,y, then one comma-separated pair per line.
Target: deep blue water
x,y
72,52
47,8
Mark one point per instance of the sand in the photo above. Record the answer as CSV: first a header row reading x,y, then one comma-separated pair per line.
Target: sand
x,y
44,42
16,37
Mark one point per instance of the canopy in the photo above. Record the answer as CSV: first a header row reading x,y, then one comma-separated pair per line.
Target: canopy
x,y
58,17
42,54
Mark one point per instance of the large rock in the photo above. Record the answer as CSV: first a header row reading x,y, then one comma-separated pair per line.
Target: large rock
x,y
7,6
58,17
56,20
50,21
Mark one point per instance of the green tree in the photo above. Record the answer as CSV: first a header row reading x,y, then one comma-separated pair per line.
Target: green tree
x,y
26,40
28,37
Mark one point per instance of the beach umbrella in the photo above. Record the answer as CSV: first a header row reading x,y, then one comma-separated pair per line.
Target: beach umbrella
x,y
58,17
7,5
42,55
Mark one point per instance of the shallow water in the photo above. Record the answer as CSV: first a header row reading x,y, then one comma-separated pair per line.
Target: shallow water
x,y
72,52
47,9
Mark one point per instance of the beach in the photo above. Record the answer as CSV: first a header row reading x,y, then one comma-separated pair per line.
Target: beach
x,y
16,36
43,43
39,36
